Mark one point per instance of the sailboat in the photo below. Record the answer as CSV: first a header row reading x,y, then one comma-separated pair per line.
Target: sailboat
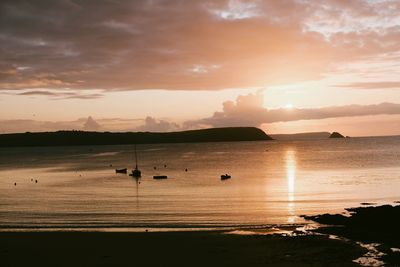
x,y
136,172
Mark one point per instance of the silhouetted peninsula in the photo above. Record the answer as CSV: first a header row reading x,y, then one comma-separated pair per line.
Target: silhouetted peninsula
x,y
73,138
336,135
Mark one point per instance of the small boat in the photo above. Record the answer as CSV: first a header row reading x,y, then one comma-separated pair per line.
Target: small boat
x,y
225,176
124,170
136,172
158,177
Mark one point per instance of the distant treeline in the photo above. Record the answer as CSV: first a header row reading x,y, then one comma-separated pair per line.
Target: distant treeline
x,y
75,138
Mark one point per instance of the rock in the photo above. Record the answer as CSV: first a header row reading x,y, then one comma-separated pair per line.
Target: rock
x,y
336,135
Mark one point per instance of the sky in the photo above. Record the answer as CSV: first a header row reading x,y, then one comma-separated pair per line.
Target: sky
x,y
285,66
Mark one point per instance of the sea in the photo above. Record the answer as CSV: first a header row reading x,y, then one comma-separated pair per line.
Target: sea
x,y
272,184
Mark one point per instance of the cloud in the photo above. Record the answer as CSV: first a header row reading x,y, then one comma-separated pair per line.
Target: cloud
x,y
373,85
153,125
248,110
48,93
24,125
129,45
59,95
91,125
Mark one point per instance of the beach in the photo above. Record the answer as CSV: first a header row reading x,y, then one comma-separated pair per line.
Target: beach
x,y
368,236
200,248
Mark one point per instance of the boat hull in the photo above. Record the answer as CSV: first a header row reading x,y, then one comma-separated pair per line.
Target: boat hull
x,y
136,173
159,177
125,170
225,177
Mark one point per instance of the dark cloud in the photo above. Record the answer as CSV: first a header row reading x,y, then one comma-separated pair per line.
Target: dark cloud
x,y
48,93
83,96
181,44
57,95
249,111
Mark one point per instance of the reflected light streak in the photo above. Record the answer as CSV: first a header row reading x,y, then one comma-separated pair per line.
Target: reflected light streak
x,y
291,173
290,160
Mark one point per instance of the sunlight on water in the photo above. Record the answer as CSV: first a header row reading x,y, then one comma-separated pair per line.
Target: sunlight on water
x,y
272,183
291,173
290,160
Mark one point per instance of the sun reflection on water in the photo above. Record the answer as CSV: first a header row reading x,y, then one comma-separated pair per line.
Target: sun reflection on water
x,y
290,160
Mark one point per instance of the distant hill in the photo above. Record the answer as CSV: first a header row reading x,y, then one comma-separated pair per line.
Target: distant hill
x,y
73,138
336,135
302,136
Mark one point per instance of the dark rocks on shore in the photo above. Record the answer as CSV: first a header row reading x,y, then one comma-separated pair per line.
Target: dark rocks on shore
x,y
336,135
366,224
376,224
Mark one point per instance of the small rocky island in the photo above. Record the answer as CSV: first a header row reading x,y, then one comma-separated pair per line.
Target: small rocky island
x,y
336,135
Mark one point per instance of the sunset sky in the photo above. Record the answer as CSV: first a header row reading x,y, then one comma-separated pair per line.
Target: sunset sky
x,y
286,66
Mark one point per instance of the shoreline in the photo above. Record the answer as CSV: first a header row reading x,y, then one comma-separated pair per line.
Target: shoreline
x,y
173,249
273,228
369,236
376,227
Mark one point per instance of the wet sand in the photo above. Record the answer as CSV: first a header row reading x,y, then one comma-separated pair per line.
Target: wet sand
x,y
172,249
215,248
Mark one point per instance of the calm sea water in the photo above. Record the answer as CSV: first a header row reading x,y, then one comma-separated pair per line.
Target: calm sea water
x,y
272,183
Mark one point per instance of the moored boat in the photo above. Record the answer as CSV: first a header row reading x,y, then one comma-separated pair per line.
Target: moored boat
x,y
136,172
225,176
123,170
158,177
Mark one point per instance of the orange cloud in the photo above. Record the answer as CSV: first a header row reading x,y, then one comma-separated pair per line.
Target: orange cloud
x,y
187,45
249,111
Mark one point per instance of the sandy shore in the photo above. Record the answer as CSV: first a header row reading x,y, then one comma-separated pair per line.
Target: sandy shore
x,y
212,248
171,249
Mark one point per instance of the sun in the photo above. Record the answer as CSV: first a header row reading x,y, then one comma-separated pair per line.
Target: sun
x,y
289,106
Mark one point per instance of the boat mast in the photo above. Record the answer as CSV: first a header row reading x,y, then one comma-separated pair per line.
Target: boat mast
x,y
136,158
